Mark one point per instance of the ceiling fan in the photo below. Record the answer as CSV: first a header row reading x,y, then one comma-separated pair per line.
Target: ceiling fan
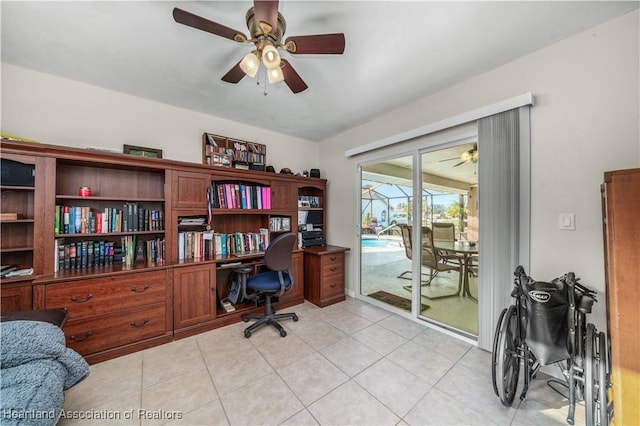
x,y
470,156
266,28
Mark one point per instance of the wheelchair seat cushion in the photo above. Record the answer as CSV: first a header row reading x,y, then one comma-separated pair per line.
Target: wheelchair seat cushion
x,y
268,281
547,306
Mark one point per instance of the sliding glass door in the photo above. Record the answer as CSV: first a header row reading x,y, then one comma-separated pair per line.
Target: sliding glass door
x,y
423,251
386,210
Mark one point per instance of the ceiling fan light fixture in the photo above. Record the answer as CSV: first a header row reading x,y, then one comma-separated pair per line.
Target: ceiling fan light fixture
x,y
270,57
250,64
275,75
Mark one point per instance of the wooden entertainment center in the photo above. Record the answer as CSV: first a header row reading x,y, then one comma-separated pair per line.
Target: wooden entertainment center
x,y
127,288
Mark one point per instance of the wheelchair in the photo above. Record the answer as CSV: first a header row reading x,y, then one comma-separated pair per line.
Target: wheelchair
x,y
547,325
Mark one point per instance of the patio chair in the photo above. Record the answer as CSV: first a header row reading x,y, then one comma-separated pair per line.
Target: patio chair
x,y
430,259
443,231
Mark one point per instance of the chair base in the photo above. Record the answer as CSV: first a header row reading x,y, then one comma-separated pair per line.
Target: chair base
x,y
271,320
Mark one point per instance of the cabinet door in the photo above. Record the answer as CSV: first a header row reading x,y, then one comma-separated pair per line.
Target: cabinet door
x,y
16,298
190,189
194,295
297,269
284,196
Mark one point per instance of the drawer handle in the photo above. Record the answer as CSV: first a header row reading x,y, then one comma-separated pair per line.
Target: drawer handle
x,y
135,290
141,324
76,300
81,338
333,258
333,268
333,285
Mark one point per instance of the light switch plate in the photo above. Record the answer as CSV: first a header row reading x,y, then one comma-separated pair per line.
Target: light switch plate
x,y
567,221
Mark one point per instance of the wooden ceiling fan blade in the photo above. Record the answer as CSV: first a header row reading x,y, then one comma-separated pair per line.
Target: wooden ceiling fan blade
x,y
323,44
189,19
234,75
292,78
266,12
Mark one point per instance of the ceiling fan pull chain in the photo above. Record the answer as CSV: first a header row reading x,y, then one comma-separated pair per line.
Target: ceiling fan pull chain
x,y
265,84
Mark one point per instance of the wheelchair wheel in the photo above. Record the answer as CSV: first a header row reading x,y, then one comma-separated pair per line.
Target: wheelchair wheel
x,y
508,368
494,353
596,383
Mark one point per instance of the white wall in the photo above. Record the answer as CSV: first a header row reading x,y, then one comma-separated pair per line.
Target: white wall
x,y
59,111
585,122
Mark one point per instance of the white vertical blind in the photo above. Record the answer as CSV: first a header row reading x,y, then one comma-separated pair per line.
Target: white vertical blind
x,y
499,170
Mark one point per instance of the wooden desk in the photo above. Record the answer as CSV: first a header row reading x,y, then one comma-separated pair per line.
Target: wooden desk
x,y
465,251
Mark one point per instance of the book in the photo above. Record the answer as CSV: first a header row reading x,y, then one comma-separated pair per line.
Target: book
x,y
8,216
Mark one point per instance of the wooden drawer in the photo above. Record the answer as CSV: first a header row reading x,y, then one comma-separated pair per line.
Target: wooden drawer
x,y
333,286
332,264
102,295
99,333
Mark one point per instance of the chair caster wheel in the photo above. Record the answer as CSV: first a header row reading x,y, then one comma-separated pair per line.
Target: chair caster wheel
x,y
295,318
283,333
247,334
245,319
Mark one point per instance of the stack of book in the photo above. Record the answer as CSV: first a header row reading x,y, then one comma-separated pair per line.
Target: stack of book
x,y
239,196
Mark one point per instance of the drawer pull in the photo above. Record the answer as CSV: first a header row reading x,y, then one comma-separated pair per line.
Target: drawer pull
x,y
76,300
141,324
135,290
81,338
333,258
333,268
333,285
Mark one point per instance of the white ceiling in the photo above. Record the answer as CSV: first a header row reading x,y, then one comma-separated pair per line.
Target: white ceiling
x,y
396,52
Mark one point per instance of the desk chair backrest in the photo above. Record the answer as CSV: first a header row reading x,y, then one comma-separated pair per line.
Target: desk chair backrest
x,y
278,254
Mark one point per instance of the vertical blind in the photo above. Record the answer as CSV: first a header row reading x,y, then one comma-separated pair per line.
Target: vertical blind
x,y
501,150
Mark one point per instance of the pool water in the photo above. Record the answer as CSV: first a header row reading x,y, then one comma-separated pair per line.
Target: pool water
x,y
375,243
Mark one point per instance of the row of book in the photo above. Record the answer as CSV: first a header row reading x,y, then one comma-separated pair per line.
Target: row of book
x,y
239,196
239,243
279,224
89,253
84,220
195,245
308,201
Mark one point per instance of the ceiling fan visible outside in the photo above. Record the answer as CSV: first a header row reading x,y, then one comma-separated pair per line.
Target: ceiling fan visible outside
x,y
467,157
266,28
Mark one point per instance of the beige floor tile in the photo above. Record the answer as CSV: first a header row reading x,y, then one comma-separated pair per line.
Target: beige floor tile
x,y
438,408
235,371
180,394
303,418
319,334
380,339
100,388
312,377
443,344
402,326
350,404
477,360
170,360
280,352
475,391
350,355
395,387
119,411
265,401
211,413
368,311
421,361
348,322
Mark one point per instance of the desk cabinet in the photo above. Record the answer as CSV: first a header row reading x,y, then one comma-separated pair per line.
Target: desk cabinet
x,y
113,311
324,274
194,295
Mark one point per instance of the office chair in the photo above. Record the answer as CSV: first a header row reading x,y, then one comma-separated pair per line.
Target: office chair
x,y
274,282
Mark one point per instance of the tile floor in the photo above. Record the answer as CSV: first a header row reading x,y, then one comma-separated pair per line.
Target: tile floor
x,y
347,364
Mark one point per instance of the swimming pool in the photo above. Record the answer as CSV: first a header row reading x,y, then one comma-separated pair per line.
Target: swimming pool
x,y
377,243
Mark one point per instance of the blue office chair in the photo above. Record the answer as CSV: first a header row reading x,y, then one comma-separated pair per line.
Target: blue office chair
x,y
274,282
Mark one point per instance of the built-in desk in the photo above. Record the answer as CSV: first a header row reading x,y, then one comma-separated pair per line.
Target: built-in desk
x,y
324,274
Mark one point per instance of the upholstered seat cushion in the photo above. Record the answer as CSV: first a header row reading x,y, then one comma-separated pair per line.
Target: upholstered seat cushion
x,y
267,281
